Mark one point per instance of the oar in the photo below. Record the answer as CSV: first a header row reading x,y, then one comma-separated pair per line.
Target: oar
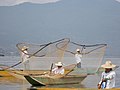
x,y
99,85
51,68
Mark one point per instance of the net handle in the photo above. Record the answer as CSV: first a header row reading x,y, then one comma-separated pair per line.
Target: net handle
x,y
48,45
84,46
8,67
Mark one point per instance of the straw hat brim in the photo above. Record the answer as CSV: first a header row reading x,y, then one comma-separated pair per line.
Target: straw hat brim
x,y
108,66
25,47
77,50
58,64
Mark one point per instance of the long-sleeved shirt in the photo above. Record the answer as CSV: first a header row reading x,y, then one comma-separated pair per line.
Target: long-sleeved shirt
x,y
58,70
24,56
110,80
78,57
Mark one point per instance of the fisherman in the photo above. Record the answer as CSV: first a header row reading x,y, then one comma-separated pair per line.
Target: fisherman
x,y
78,56
108,76
25,57
59,69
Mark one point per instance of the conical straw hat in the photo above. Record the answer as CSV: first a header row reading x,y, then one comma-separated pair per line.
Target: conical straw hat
x,y
108,64
59,64
77,50
24,47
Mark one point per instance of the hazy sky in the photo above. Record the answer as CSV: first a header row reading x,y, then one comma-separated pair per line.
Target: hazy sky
x,y
83,21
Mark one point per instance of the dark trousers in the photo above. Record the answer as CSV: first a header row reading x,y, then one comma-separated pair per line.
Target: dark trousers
x,y
79,65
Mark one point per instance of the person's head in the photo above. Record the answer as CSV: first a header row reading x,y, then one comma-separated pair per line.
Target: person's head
x,y
78,50
24,48
59,64
108,66
107,70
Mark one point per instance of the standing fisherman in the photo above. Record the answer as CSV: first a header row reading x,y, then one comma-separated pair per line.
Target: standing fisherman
x,y
24,57
108,76
78,56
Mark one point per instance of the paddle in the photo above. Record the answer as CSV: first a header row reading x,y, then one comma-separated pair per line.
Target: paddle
x,y
99,85
51,68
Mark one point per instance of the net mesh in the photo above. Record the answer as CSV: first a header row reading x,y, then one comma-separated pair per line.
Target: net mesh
x,y
92,56
42,56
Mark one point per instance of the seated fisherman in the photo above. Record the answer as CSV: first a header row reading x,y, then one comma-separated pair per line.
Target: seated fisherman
x,y
59,69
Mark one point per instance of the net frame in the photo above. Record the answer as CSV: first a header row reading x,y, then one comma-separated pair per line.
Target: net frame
x,y
41,47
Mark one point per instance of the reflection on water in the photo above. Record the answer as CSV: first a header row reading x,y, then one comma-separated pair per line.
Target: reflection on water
x,y
10,80
62,86
57,86
12,83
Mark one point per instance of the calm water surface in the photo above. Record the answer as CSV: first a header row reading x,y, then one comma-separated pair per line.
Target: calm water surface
x,y
9,83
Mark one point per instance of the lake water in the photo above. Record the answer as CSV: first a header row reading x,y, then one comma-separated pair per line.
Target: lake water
x,y
9,83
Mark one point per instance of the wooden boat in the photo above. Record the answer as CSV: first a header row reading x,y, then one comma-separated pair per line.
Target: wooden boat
x,y
4,73
75,76
19,73
69,77
42,80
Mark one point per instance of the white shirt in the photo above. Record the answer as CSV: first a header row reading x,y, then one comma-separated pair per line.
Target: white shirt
x,y
111,82
24,56
78,57
58,70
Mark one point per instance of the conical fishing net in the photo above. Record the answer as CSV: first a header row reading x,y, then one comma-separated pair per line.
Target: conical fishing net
x,y
42,56
92,56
